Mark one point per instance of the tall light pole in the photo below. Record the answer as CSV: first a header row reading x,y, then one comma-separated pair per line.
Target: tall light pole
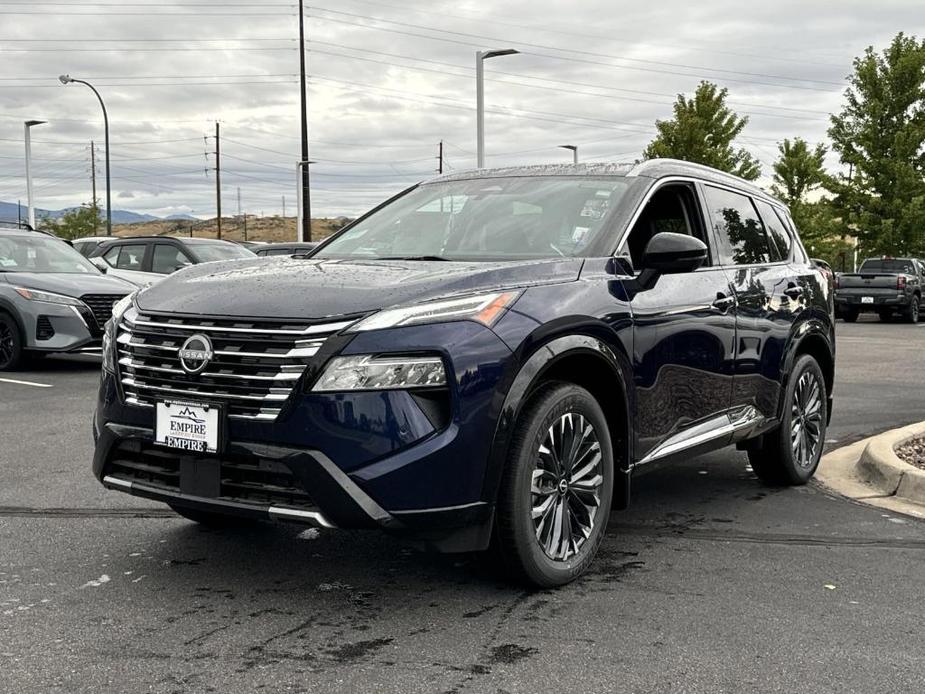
x,y
480,58
27,125
305,234
574,149
300,176
67,79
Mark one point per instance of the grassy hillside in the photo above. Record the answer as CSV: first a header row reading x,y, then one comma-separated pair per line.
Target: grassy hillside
x,y
258,228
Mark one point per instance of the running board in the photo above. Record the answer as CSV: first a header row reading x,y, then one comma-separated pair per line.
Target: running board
x,y
738,421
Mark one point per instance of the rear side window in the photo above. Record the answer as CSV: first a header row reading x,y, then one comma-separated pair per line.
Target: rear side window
x,y
781,241
740,234
168,258
130,257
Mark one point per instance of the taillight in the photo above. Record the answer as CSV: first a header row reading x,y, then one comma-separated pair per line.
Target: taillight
x,y
901,282
836,281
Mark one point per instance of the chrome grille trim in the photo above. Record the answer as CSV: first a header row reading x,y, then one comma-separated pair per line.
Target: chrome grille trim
x,y
253,372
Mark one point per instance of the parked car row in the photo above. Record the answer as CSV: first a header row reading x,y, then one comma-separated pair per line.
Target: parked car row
x,y
886,286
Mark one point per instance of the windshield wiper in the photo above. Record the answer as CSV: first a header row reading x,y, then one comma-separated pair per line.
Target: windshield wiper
x,y
413,257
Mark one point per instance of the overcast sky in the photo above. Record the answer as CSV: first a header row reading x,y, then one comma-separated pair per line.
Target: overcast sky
x,y
388,80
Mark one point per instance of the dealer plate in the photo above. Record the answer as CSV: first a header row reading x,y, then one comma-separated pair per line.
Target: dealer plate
x,y
188,426
867,299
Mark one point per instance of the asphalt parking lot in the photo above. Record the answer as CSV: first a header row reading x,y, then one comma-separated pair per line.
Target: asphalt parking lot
x,y
710,582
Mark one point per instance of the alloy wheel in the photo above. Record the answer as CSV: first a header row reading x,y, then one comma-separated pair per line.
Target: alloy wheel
x,y
806,420
565,486
6,344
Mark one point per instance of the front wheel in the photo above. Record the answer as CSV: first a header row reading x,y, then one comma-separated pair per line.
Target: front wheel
x,y
11,351
556,491
790,454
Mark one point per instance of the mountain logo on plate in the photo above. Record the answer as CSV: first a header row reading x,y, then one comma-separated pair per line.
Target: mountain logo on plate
x,y
196,353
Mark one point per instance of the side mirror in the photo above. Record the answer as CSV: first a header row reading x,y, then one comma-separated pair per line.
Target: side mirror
x,y
668,253
101,264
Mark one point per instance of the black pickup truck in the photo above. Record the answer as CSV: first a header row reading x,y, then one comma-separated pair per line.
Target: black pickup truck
x,y
884,285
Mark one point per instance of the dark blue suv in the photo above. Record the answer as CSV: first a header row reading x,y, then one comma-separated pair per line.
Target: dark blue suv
x,y
488,357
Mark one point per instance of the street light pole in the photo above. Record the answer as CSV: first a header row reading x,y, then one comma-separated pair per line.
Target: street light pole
x,y
305,206
574,149
300,176
480,58
27,125
67,79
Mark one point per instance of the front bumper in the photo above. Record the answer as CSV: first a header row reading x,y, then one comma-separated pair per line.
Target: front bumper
x,y
58,328
348,460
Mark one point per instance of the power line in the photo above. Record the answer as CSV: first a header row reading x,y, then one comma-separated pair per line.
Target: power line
x,y
582,52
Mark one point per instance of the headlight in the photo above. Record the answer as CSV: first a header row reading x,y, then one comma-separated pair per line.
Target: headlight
x,y
484,308
109,333
47,297
369,372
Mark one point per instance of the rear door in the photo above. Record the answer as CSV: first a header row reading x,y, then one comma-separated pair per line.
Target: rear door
x,y
771,278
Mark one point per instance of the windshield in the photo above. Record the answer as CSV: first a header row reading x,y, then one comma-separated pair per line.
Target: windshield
x,y
207,252
894,266
486,219
41,254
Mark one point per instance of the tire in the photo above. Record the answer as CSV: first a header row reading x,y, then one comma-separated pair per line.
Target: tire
x,y
528,547
911,314
11,351
850,315
780,459
211,519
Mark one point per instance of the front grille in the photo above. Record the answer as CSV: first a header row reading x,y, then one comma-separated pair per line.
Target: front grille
x,y
253,371
44,329
101,305
243,479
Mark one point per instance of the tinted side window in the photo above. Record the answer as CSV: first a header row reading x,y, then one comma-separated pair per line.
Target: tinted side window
x,y
131,257
740,234
777,230
168,258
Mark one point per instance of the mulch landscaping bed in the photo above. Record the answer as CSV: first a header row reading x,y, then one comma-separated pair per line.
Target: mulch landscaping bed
x,y
913,452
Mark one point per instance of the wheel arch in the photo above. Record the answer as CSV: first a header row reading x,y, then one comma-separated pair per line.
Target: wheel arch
x,y
814,340
8,308
582,359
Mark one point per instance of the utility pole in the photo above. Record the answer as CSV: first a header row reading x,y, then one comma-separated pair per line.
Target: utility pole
x,y
245,226
218,180
93,183
440,157
27,127
284,207
306,230
239,201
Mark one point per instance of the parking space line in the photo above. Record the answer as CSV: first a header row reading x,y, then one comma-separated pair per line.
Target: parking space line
x,y
26,383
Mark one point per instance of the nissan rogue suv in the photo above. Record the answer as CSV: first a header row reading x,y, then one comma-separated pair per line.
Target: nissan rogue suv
x,y
488,357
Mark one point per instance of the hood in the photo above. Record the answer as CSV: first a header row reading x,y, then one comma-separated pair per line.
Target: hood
x,y
68,283
306,288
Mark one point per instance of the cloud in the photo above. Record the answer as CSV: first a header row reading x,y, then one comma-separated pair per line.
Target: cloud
x,y
389,81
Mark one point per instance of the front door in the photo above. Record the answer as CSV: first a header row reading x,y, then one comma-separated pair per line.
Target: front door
x,y
684,336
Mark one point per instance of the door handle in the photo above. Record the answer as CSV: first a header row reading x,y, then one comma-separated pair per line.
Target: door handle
x,y
723,303
794,292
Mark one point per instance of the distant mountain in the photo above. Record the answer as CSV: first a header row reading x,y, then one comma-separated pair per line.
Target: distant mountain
x,y
8,212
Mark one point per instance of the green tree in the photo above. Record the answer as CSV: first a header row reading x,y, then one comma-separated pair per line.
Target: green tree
x,y
76,222
799,170
880,135
703,130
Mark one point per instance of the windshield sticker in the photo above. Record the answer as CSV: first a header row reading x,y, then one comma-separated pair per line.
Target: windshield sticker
x,y
579,234
595,209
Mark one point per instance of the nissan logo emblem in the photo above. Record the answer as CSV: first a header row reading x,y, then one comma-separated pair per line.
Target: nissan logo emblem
x,y
196,353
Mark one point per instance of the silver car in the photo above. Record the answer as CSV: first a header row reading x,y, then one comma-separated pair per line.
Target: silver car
x,y
52,299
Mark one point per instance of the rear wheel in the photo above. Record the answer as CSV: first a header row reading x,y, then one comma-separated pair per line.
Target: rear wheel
x,y
911,314
850,314
556,491
790,454
10,343
211,519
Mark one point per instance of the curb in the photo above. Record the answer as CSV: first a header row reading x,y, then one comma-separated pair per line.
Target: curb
x,y
880,467
869,471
